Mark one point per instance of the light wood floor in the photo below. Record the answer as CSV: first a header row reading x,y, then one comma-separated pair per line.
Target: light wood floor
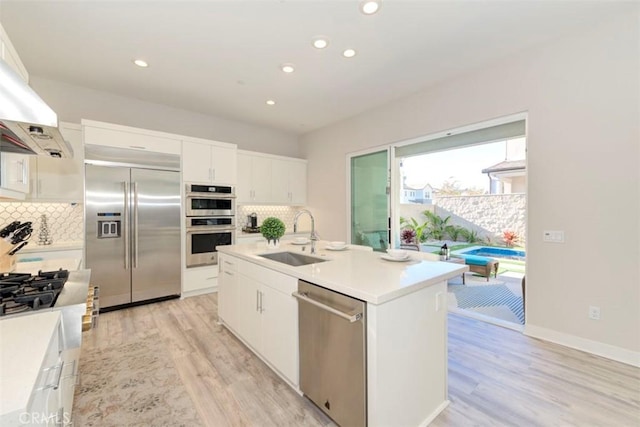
x,y
497,377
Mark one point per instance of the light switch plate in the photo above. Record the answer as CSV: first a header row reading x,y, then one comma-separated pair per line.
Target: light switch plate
x,y
553,236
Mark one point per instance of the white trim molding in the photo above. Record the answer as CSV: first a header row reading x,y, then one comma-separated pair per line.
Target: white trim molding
x,y
608,351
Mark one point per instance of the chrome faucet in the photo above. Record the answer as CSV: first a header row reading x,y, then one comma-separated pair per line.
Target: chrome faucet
x,y
313,236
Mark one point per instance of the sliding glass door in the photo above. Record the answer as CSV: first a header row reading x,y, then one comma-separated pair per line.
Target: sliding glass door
x,y
369,176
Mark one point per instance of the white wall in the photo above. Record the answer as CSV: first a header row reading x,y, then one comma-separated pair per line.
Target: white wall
x,y
582,98
73,103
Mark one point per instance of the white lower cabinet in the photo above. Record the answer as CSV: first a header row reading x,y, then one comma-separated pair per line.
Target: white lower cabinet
x,y
200,279
39,372
256,304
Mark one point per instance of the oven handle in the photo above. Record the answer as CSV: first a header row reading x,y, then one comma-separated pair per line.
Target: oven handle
x,y
201,230
210,196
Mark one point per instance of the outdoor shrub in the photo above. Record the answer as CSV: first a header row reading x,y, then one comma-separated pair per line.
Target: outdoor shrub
x,y
470,236
509,237
436,226
408,235
454,231
412,224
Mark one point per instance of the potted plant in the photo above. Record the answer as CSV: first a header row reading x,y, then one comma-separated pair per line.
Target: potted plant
x,y
272,229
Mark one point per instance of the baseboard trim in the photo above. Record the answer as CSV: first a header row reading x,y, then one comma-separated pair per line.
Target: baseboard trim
x,y
435,413
199,292
618,354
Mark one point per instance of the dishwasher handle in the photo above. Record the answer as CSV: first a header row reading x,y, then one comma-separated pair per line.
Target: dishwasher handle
x,y
304,296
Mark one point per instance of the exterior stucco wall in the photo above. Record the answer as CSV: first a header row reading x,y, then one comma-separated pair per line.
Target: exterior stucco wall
x,y
489,214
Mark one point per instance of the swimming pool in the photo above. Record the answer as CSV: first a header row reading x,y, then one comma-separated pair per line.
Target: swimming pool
x,y
495,253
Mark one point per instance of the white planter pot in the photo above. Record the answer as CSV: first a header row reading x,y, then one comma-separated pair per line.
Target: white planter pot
x,y
273,244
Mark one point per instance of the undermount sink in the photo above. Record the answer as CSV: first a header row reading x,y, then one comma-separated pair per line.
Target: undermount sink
x,y
292,258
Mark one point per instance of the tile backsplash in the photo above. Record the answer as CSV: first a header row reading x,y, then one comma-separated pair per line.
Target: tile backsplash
x,y
65,220
285,213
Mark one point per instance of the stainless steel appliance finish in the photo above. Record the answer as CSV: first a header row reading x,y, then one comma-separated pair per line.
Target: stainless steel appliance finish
x,y
294,259
27,124
132,218
333,368
210,200
204,235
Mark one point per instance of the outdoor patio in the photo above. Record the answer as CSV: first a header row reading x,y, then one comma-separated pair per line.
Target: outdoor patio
x,y
498,300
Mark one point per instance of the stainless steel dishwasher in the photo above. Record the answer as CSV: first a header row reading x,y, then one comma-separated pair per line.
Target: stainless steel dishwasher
x,y
333,362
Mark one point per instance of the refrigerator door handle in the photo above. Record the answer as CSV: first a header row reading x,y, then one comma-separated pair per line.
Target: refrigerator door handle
x,y
135,225
126,224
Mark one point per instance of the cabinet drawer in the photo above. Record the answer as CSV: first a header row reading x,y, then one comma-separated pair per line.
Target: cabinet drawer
x,y
200,278
229,263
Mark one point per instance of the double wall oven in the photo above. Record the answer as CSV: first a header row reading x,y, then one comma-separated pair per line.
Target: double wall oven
x,y
211,222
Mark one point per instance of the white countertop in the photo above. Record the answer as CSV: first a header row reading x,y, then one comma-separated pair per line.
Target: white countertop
x,y
32,267
25,340
56,246
357,273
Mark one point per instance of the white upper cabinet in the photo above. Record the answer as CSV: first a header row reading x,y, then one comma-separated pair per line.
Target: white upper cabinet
x,y
275,180
289,181
209,162
110,135
14,175
61,180
254,179
10,56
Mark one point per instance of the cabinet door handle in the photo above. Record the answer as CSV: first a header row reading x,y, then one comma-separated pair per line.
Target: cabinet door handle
x,y
213,174
60,417
258,301
229,273
261,297
55,384
21,172
39,187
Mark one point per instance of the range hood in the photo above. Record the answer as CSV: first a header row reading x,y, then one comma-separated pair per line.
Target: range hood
x,y
27,124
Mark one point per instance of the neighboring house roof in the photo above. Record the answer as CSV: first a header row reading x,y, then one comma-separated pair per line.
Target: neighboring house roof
x,y
507,165
407,187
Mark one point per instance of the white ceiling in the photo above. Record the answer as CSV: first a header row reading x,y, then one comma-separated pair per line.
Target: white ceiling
x,y
222,58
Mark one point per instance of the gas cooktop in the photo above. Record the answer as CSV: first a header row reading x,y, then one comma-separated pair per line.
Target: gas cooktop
x,y
22,292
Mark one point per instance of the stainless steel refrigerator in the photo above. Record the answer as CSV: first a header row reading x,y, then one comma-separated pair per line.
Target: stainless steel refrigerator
x,y
132,224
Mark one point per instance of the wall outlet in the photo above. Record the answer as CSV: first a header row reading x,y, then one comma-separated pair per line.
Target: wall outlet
x,y
594,312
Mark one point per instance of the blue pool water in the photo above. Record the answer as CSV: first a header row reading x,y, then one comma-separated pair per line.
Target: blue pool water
x,y
496,253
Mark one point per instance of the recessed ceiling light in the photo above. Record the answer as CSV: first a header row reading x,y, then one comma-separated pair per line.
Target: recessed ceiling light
x,y
369,7
349,53
320,42
287,68
140,63
271,102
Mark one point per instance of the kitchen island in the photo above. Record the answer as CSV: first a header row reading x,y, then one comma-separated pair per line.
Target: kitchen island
x,y
406,350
